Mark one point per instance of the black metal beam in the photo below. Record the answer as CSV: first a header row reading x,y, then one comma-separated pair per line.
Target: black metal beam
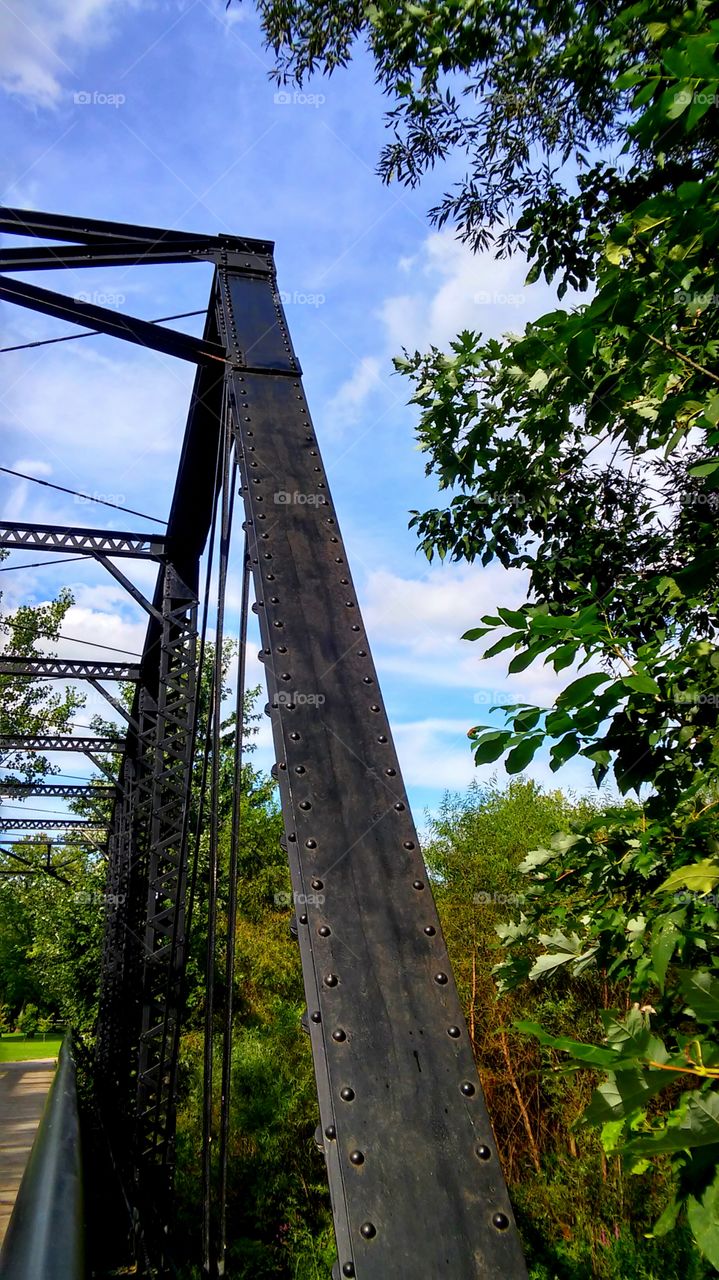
x,y
17,535
68,669
49,824
131,329
113,254
46,743
95,231
64,791
401,1105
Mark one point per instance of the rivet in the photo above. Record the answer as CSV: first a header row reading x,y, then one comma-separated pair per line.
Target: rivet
x,y
324,931
339,1035
305,804
295,738
282,648
344,582
467,1088
500,1221
329,520
361,653
390,772
331,1132
440,979
316,1016
303,919
356,1157
454,1032
278,624
367,680
399,807
339,560
310,844
374,707
408,844
430,930
267,555
349,604
347,1094
368,1230
285,675
282,765
417,884
299,768
318,884
330,979
348,1269
334,539
382,737
292,837
484,1152
273,599
270,577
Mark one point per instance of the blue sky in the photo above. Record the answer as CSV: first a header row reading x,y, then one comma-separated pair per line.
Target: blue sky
x,y
163,112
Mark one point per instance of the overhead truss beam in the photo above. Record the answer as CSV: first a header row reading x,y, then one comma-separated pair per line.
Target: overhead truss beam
x,y
62,791
46,744
68,669
16,535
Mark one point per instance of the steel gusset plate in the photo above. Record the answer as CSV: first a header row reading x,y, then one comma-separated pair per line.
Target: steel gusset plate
x,y
414,1177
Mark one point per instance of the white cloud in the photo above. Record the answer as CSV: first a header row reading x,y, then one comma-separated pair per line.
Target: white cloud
x,y
40,40
32,467
452,289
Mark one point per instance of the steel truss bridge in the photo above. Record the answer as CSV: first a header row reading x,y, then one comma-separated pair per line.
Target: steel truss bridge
x,y
414,1179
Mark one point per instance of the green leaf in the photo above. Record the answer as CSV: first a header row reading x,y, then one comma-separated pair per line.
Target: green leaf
x,y
579,690
523,753
642,683
703,1218
704,468
700,877
701,992
567,747
662,950
591,1053
698,1127
490,746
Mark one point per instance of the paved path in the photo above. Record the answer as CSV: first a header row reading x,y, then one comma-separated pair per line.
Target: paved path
x,y
23,1088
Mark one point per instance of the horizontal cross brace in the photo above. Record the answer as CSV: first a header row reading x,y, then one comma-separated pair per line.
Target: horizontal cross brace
x,y
53,824
142,332
47,743
16,534
69,669
62,791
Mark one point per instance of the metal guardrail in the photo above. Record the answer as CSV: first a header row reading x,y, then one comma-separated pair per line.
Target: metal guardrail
x,y
45,1237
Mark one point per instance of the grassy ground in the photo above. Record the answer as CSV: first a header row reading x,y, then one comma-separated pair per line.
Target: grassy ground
x,y
17,1048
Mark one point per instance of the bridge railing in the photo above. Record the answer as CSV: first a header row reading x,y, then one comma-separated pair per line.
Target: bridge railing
x,y
45,1236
